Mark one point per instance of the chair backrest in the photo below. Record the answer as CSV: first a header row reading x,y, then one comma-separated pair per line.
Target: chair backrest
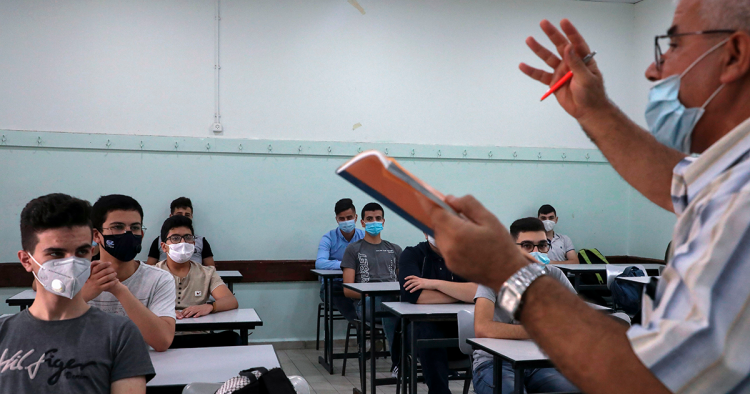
x,y
614,270
465,331
201,388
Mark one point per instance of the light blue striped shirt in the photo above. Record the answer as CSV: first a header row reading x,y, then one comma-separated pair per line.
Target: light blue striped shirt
x,y
695,335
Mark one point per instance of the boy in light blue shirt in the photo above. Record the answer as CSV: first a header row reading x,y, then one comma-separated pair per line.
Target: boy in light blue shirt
x,y
331,252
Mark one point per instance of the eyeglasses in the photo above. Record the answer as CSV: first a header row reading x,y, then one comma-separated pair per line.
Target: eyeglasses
x,y
176,238
528,246
120,229
661,42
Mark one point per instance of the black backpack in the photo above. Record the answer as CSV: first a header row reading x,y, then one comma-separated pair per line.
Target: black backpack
x,y
591,256
258,381
626,294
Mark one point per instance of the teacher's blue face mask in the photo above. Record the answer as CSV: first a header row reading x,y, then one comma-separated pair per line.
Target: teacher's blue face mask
x,y
668,120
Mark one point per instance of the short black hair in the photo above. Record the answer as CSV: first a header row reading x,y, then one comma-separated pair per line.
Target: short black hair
x,y
546,209
343,205
174,222
52,211
372,206
180,202
526,225
113,202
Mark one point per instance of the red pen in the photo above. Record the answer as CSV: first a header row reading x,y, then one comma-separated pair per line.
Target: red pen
x,y
566,77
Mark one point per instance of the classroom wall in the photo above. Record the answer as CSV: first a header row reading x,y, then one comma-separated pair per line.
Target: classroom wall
x,y
436,77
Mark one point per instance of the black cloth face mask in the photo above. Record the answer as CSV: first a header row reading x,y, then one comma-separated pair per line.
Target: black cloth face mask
x,y
123,247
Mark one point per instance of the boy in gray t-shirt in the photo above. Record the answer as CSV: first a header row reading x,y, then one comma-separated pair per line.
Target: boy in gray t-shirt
x,y
60,344
372,259
491,321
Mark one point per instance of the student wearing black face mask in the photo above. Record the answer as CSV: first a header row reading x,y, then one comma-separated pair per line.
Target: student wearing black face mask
x,y
123,286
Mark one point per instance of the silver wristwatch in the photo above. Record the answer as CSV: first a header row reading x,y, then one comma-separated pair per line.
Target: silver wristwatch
x,y
512,290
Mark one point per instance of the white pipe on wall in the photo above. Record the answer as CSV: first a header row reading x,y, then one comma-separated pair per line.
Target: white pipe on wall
x,y
216,127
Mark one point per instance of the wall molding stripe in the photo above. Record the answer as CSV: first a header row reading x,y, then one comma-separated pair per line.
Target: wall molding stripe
x,y
194,145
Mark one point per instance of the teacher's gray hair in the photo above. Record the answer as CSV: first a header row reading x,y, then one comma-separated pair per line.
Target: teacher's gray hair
x,y
726,14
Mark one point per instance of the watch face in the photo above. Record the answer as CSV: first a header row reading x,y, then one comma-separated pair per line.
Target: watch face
x,y
509,302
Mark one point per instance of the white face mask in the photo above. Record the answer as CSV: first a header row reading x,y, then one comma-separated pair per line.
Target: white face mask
x,y
181,253
64,277
548,225
431,240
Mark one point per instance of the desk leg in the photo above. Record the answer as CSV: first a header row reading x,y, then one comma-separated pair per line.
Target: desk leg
x,y
577,281
243,336
363,345
497,378
402,368
518,381
413,362
328,312
372,344
230,285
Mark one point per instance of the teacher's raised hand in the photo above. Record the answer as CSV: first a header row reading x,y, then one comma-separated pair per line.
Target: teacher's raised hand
x,y
584,95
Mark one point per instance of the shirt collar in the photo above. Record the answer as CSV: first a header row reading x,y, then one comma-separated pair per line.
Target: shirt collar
x,y
696,173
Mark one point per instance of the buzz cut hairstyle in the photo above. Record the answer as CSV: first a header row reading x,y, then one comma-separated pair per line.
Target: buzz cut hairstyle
x,y
180,202
52,211
373,206
546,209
525,225
174,222
343,205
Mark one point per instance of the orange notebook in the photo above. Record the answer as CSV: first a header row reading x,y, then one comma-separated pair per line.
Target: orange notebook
x,y
385,180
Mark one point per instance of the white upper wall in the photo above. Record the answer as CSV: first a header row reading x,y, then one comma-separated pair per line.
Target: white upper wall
x,y
437,72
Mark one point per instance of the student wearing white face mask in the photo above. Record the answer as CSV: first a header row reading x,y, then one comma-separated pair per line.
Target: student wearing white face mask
x,y
60,344
562,250
194,284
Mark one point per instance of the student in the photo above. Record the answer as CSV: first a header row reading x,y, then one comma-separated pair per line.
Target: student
x,y
123,286
491,322
195,284
203,254
60,344
331,251
562,250
425,279
373,259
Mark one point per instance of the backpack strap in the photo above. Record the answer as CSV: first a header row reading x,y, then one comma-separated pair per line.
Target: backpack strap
x,y
588,261
598,254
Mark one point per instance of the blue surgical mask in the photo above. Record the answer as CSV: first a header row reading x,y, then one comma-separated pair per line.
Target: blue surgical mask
x,y
668,120
373,228
540,257
347,226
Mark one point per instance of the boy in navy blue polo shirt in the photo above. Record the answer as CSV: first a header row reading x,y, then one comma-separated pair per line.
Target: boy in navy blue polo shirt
x,y
425,279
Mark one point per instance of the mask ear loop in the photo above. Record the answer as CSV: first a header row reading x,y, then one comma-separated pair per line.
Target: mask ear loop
x,y
34,273
701,57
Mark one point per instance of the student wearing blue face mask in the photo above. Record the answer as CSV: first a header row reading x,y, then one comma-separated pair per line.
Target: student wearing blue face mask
x,y
60,344
491,322
331,252
372,259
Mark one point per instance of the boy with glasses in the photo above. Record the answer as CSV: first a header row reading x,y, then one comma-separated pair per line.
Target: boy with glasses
x,y
121,285
202,253
491,322
195,284
60,344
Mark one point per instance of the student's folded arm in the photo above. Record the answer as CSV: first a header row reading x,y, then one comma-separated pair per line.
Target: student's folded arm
x,y
225,300
134,385
349,278
486,327
572,257
435,297
408,265
573,334
323,260
157,331
461,291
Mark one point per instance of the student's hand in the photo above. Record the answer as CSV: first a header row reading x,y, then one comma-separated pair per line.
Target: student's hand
x,y
584,95
197,310
103,278
414,283
475,245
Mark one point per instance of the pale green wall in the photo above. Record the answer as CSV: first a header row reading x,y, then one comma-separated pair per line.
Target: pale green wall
x,y
277,206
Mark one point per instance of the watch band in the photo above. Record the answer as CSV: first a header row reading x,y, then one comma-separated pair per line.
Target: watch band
x,y
511,292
